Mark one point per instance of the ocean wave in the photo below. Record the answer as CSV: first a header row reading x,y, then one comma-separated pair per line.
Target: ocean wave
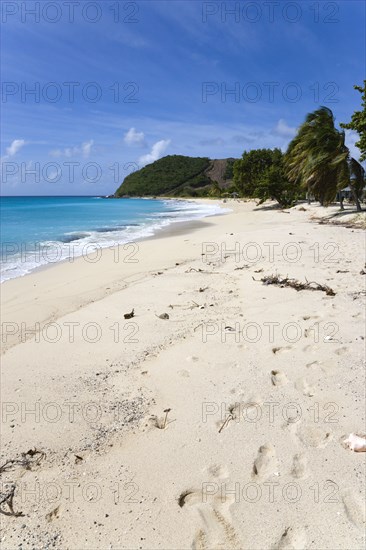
x,y
74,244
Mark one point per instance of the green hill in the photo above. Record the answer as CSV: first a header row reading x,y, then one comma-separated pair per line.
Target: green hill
x,y
176,176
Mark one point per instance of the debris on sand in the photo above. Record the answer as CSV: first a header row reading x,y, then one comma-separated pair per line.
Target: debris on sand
x,y
356,443
226,422
129,315
297,285
26,461
31,458
162,423
163,316
7,498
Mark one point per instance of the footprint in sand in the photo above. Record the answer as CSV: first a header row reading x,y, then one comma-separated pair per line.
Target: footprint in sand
x,y
266,462
184,373
281,350
341,351
313,436
200,541
246,410
192,359
325,366
54,514
217,531
217,471
303,386
310,349
299,466
313,364
293,538
355,508
278,378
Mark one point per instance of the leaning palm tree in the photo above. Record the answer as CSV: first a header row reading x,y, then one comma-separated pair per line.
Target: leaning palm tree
x,y
357,181
317,158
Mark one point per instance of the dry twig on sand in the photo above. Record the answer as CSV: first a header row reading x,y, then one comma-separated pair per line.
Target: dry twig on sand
x,y
162,423
7,498
226,421
297,285
26,461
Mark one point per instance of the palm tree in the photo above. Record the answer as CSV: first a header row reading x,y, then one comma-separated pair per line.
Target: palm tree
x,y
357,180
318,160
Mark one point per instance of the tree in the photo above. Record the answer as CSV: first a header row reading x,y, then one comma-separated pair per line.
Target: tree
x,y
249,170
260,174
275,185
357,180
215,189
358,122
316,159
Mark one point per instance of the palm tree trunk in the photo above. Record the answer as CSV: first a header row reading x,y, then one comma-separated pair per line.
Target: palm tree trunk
x,y
356,199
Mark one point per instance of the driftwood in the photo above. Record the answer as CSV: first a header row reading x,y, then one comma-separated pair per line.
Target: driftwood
x,y
7,498
297,285
26,461
348,225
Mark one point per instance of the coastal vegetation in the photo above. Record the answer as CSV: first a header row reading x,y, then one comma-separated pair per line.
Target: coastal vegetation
x,y
261,174
174,175
318,161
358,122
317,165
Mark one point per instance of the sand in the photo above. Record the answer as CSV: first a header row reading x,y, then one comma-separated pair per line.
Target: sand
x,y
219,427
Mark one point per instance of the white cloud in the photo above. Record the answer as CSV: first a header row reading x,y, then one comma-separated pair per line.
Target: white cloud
x,y
351,138
283,129
156,152
132,137
68,152
15,146
86,148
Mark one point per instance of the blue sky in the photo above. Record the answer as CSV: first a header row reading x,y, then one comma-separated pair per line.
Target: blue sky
x,y
120,84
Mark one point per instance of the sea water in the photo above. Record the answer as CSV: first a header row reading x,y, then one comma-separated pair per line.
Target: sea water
x,y
36,231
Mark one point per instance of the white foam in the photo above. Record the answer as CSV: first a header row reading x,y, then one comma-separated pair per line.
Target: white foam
x,y
91,243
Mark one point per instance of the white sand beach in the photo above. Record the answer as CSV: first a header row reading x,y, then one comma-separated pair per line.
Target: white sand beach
x,y
216,426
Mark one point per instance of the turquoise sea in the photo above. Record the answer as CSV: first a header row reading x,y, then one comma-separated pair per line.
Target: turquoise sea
x,y
36,231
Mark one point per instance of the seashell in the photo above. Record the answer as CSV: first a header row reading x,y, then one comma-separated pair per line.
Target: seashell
x,y
356,443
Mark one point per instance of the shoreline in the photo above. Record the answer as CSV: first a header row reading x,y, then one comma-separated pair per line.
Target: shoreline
x,y
46,277
157,232
260,383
